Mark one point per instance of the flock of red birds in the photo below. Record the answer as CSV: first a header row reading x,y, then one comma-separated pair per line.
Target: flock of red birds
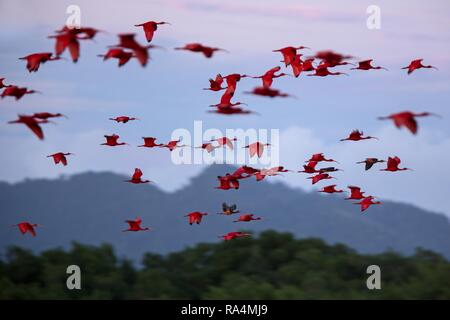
x,y
318,65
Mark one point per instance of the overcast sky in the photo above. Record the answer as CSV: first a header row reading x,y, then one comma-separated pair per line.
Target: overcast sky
x,y
167,94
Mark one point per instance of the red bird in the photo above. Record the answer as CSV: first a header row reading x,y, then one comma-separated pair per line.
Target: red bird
x,y
417,64
268,92
307,65
232,110
322,71
215,84
196,217
47,115
149,28
228,182
232,80
330,189
136,178
357,135
135,225
370,162
407,119
367,202
234,235
289,53
32,123
244,172
25,227
247,218
224,141
2,85
267,78
367,65
261,174
67,40
310,167
355,193
297,65
149,142
318,157
225,101
34,60
319,177
208,147
111,141
197,47
119,54
256,149
16,92
60,157
392,165
89,33
173,144
332,59
123,119
127,41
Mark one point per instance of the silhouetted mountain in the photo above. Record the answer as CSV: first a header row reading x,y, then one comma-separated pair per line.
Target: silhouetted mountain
x,y
91,208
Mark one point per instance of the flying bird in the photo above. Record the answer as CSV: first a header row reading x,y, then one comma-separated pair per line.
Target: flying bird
x,y
247,218
367,202
215,84
234,235
118,53
197,47
16,92
60,157
407,119
332,59
330,189
417,64
172,145
209,147
367,65
355,193
25,227
34,60
111,141
136,178
135,225
150,27
32,123
392,165
195,217
149,142
228,182
47,115
268,76
310,167
289,53
67,40
320,176
2,84
369,162
228,210
123,119
318,157
224,141
357,135
256,149
322,71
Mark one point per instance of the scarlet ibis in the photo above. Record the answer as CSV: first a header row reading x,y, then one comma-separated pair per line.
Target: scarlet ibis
x,y
307,64
16,92
197,47
256,149
247,218
289,53
234,235
225,141
225,101
310,167
47,115
322,71
136,178
370,162
355,193
367,202
149,28
268,76
135,225
2,84
357,135
332,59
367,65
215,84
268,92
261,174
244,172
232,80
407,119
330,189
228,182
208,147
392,165
32,123
232,110
149,142
228,210
25,227
127,41
123,119
60,157
89,32
111,141
417,64
196,217
318,157
297,65
119,54
34,60
328,169
67,40
173,144
318,177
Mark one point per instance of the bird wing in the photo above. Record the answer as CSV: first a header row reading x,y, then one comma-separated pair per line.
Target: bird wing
x,y
36,128
74,49
137,174
149,31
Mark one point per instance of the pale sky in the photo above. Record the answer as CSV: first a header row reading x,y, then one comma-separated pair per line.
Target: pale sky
x,y
167,94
